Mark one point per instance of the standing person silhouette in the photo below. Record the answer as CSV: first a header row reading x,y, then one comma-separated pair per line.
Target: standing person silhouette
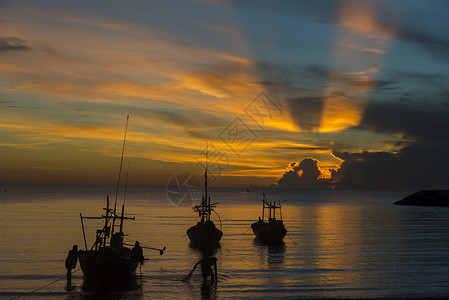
x,y
70,261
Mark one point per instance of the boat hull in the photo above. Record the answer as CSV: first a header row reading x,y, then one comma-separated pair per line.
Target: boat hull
x,y
95,265
203,235
273,232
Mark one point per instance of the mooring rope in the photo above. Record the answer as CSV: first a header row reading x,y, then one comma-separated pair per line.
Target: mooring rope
x,y
162,278
234,254
246,231
292,239
221,228
29,293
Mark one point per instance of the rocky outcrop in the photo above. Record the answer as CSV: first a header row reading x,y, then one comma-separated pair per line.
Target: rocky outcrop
x,y
426,198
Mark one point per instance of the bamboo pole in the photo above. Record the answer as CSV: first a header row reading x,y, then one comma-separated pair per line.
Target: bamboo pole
x,y
119,175
84,234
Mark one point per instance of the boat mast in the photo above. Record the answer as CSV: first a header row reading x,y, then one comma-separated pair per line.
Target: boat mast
x,y
124,199
205,208
280,211
119,175
206,204
84,233
263,205
106,220
205,201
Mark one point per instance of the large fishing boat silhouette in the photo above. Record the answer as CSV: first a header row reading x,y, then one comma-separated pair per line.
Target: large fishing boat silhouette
x,y
273,231
205,234
108,257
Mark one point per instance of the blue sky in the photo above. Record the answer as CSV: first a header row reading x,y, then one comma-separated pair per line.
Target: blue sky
x,y
359,87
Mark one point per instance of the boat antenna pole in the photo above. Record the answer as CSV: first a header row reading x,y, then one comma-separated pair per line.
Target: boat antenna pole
x,y
124,198
280,210
263,204
205,184
126,183
106,220
119,175
84,233
204,197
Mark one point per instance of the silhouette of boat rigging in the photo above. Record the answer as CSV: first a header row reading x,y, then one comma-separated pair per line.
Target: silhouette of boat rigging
x,y
272,231
205,234
108,257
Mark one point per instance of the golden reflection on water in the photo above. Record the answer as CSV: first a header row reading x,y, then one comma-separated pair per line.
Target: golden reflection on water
x,y
335,230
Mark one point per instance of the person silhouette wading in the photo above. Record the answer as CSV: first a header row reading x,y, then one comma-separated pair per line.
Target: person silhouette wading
x,y
70,261
137,253
206,268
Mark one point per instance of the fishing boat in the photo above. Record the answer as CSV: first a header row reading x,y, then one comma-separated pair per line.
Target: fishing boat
x,y
109,257
272,231
205,234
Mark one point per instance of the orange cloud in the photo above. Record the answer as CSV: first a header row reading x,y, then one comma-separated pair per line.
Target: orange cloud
x,y
373,50
362,18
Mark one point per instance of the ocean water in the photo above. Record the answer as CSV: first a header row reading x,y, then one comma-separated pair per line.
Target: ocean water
x,y
340,244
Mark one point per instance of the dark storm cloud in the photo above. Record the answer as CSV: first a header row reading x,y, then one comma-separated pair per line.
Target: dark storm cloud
x,y
12,44
422,121
421,163
419,166
303,175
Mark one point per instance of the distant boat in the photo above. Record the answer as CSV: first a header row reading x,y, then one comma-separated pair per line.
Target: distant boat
x,y
108,257
272,231
205,234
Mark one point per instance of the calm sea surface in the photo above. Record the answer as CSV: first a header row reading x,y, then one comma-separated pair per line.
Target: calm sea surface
x,y
344,244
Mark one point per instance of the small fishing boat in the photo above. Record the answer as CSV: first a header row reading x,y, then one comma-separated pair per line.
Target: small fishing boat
x,y
205,234
272,231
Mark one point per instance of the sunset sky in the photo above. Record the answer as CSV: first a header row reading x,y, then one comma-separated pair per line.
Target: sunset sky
x,y
316,94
